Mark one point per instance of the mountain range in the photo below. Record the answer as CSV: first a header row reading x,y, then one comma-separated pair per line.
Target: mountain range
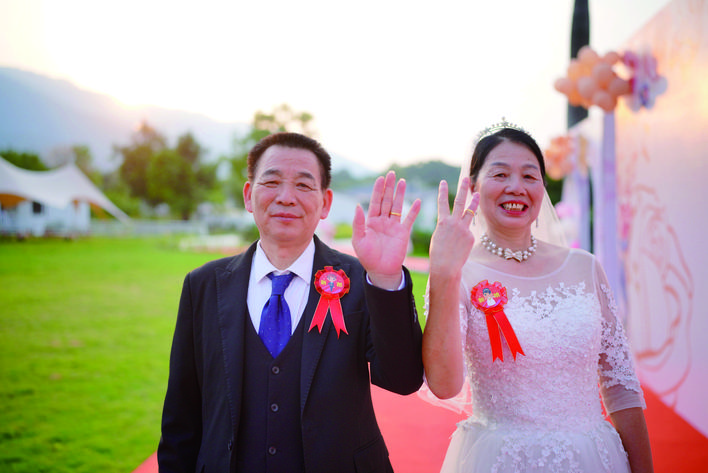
x,y
39,114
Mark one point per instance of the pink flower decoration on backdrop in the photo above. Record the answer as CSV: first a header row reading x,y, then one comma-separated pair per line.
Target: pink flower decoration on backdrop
x,y
558,157
646,82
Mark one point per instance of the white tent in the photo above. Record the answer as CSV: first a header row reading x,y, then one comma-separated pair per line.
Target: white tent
x,y
55,189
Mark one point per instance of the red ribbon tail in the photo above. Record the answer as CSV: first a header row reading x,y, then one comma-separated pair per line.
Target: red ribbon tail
x,y
335,308
494,338
320,314
509,334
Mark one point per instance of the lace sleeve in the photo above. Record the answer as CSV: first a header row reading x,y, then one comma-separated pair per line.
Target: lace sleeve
x,y
619,384
464,308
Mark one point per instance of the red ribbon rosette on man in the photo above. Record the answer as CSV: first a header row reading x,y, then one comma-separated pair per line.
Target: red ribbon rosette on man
x,y
490,299
331,285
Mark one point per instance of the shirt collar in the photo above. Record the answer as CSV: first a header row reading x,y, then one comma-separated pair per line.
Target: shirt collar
x,y
302,266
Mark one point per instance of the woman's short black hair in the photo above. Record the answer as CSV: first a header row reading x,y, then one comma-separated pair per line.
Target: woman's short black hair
x,y
489,142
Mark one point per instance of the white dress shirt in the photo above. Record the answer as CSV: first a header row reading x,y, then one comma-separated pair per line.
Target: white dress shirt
x,y
260,286
297,292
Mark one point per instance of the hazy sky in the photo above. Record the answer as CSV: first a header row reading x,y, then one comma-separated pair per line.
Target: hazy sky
x,y
387,81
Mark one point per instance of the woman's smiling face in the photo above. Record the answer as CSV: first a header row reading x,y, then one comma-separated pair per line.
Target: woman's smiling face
x,y
511,187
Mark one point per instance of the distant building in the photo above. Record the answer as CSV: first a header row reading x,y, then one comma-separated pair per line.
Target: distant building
x,y
37,203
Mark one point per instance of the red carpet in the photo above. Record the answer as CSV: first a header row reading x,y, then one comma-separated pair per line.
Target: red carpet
x,y
417,434
676,445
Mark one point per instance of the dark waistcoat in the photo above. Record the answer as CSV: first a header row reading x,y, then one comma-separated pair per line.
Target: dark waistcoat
x,y
269,435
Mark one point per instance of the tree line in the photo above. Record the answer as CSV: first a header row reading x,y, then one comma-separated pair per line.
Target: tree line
x,y
154,174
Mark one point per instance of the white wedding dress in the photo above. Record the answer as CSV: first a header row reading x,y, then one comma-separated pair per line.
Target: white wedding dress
x,y
542,412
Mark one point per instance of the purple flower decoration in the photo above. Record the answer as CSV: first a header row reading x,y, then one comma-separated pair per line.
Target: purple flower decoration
x,y
646,82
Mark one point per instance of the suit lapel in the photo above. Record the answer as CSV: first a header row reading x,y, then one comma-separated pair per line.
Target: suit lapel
x,y
232,291
231,294
313,342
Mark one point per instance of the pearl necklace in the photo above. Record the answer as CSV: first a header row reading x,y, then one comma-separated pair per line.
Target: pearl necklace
x,y
508,253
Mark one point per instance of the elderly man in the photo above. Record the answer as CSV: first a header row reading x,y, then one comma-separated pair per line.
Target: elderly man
x,y
274,348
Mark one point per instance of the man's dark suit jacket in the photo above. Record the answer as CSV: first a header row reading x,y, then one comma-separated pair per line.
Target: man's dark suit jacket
x,y
339,431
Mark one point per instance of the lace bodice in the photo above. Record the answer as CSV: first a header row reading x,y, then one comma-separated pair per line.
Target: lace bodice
x,y
542,412
573,340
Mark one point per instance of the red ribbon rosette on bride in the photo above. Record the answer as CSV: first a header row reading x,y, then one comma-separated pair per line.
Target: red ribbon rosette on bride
x,y
331,285
490,299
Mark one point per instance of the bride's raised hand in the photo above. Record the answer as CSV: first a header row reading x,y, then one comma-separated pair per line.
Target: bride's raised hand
x,y
452,240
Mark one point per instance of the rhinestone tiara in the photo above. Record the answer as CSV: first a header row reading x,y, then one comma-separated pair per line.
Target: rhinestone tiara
x,y
495,127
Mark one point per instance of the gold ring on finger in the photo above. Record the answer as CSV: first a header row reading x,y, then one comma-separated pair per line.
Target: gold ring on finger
x,y
470,211
395,213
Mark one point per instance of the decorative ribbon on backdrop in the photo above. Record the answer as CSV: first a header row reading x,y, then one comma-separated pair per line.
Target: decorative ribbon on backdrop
x,y
567,159
592,80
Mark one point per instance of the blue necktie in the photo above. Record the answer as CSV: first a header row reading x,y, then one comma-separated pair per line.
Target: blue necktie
x,y
275,324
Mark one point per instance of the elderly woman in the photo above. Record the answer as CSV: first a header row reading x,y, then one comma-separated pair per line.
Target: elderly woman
x,y
534,363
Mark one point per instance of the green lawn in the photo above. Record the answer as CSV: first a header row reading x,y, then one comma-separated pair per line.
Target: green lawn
x,y
85,332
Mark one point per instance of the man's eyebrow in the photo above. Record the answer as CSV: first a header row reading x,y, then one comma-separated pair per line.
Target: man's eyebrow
x,y
271,172
276,172
306,175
